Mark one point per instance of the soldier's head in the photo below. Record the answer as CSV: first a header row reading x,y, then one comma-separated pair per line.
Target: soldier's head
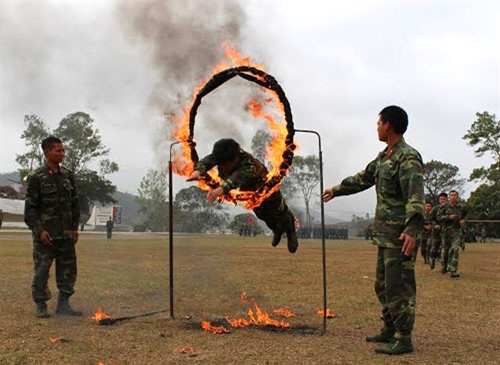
x,y
428,207
53,149
443,198
226,151
453,196
391,118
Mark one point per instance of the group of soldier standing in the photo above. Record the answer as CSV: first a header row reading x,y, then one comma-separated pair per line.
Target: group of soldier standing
x,y
443,233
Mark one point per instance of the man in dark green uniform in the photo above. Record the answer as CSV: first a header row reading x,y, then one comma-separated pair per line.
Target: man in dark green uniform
x,y
436,231
426,244
399,216
240,170
52,212
452,217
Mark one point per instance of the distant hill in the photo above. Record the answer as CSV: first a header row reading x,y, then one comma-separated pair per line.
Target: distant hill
x,y
9,178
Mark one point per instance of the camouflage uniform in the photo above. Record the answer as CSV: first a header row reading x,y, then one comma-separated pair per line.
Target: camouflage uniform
x,y
397,175
250,175
435,236
52,205
452,233
426,239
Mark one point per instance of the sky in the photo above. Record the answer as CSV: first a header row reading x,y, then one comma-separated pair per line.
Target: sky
x,y
132,65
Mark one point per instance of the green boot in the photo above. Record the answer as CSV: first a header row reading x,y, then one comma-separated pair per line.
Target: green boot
x,y
64,308
385,335
41,310
397,346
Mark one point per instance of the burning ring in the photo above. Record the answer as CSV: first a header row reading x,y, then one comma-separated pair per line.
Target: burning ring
x,y
267,81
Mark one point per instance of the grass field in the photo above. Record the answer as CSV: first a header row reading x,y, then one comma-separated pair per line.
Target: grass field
x,y
458,320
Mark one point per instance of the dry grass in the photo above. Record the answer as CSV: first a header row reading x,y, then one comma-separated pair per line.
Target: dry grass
x,y
457,320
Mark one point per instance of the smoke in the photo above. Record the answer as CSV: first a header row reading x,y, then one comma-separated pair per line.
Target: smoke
x,y
185,40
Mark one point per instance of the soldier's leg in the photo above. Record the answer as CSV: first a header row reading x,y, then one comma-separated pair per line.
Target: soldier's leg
x,y
43,256
66,267
389,328
445,251
400,292
454,255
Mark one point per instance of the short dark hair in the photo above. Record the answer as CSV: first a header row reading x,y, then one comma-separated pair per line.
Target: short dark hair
x,y
454,191
396,117
225,150
443,195
48,142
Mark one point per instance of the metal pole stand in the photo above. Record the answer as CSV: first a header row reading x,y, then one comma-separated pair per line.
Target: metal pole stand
x,y
322,220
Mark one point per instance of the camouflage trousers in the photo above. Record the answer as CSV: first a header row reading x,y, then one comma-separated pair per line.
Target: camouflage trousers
x,y
450,251
63,252
435,248
276,214
396,289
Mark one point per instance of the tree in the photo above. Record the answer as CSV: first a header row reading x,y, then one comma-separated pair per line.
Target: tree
x,y
441,177
484,136
196,215
245,224
153,200
36,131
305,175
260,143
83,145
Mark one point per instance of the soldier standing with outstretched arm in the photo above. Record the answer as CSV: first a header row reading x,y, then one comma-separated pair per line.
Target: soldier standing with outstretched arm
x,y
52,212
399,216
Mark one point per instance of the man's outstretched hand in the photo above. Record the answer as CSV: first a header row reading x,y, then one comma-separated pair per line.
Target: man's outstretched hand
x,y
195,175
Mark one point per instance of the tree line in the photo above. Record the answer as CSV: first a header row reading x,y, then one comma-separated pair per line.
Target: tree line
x,y
86,155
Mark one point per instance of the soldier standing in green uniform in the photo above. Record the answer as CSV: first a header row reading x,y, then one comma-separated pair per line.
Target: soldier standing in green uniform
x,y
452,217
240,170
399,216
436,231
426,234
52,212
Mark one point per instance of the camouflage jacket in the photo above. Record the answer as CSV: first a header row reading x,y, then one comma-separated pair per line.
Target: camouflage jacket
x,y
249,174
436,233
52,203
443,216
427,222
397,176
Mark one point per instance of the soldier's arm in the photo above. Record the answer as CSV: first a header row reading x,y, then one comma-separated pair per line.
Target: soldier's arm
x,y
205,164
412,187
32,204
357,183
75,205
247,171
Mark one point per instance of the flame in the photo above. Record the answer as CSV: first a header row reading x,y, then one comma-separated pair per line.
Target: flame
x,y
260,318
99,314
243,297
215,329
182,164
285,312
54,340
187,349
329,314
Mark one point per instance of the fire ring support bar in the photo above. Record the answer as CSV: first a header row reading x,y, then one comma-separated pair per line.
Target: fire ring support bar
x,y
171,231
322,220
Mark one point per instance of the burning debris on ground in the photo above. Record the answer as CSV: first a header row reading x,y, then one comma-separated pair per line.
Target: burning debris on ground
x,y
106,320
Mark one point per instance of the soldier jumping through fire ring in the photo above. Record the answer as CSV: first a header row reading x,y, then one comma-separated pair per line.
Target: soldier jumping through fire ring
x,y
240,170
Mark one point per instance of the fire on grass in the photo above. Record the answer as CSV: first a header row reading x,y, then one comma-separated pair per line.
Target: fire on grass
x,y
258,318
99,315
278,147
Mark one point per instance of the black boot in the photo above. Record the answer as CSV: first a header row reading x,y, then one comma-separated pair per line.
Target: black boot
x,y
64,308
41,310
293,242
276,238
